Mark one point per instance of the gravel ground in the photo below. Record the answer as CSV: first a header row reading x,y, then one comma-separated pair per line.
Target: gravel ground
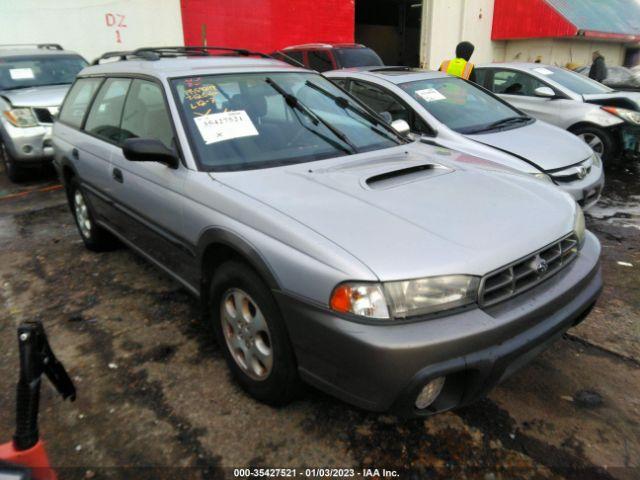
x,y
155,399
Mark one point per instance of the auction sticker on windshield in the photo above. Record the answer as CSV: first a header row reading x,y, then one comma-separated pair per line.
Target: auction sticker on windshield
x,y
543,71
21,73
430,95
218,127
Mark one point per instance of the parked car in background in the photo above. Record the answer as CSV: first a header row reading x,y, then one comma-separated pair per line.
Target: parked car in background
x,y
608,120
458,114
33,81
618,78
323,246
330,56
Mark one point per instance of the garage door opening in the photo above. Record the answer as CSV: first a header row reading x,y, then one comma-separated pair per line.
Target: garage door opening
x,y
391,28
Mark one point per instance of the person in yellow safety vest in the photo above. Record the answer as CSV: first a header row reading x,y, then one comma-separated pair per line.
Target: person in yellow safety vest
x,y
460,66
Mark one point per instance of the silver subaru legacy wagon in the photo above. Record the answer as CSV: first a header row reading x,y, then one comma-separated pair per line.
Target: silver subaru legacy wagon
x,y
324,246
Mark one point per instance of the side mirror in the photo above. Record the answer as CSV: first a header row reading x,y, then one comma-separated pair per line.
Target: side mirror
x,y
149,150
544,92
401,127
386,116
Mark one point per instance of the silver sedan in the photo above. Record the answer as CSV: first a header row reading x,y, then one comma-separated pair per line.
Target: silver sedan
x,y
459,115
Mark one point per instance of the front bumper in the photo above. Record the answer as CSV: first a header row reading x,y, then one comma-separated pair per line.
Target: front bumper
x,y
383,367
586,191
28,146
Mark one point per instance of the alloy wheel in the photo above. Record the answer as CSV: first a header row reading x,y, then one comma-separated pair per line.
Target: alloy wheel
x,y
594,141
82,214
246,333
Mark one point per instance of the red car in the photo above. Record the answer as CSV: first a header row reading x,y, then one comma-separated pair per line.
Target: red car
x,y
330,56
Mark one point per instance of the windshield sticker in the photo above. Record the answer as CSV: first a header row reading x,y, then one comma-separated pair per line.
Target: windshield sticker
x,y
199,96
218,127
543,71
430,95
21,73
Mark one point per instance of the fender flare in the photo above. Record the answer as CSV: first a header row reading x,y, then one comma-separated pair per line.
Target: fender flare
x,y
221,236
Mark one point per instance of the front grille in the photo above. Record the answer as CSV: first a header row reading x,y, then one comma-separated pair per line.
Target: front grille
x,y
527,272
43,115
573,173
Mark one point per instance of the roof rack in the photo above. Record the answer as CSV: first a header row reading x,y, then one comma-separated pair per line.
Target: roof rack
x,y
41,46
156,53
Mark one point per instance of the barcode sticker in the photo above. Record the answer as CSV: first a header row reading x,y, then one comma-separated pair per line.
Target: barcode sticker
x,y
218,127
430,95
21,73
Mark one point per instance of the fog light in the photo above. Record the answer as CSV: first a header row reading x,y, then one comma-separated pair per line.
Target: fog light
x,y
27,149
429,393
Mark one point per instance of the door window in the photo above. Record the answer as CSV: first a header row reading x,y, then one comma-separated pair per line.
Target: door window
x,y
341,82
380,101
319,60
77,102
106,111
145,114
510,82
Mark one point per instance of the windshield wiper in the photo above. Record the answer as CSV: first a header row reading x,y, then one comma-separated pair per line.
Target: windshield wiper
x,y
507,121
345,104
296,104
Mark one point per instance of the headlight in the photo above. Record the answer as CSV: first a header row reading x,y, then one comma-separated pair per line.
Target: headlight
x,y
630,116
579,225
21,117
596,161
542,176
405,298
432,294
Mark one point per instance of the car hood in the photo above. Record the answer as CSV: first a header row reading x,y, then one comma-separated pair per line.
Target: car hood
x,y
452,213
548,147
46,96
601,97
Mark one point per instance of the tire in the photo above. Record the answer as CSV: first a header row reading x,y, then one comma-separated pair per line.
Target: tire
x,y
95,238
13,171
598,139
236,289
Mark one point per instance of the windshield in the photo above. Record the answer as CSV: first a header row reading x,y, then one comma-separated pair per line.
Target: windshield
x,y
357,57
572,81
36,71
460,105
245,121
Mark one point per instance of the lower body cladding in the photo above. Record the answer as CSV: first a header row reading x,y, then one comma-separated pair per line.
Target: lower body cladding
x,y
388,367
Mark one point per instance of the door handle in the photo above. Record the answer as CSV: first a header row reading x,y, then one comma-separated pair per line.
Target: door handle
x,y
75,153
117,175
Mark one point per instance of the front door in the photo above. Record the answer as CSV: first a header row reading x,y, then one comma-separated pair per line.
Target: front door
x,y
150,193
518,89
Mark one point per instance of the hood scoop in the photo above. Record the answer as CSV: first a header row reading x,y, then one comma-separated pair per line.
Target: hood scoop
x,y
402,176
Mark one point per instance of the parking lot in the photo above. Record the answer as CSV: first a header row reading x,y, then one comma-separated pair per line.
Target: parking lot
x,y
154,391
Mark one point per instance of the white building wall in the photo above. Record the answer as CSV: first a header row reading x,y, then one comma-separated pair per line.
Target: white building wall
x,y
448,22
562,52
92,27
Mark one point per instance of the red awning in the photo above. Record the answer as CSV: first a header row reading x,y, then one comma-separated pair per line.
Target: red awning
x,y
611,20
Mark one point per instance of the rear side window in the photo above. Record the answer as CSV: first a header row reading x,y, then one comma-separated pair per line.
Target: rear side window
x,y
319,60
481,77
287,55
145,114
106,111
77,102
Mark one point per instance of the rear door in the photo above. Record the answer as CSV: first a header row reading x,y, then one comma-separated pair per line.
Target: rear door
x,y
150,193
